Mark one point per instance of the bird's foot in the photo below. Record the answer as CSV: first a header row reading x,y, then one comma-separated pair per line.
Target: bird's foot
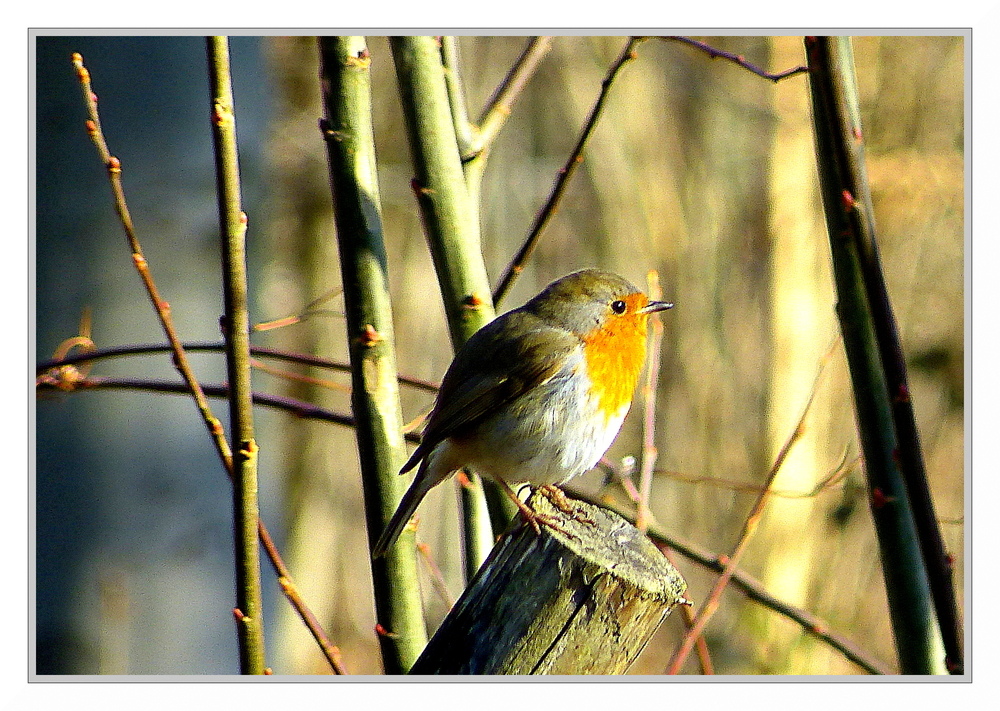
x,y
535,519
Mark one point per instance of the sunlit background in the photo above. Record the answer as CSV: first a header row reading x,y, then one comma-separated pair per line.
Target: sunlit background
x,y
697,169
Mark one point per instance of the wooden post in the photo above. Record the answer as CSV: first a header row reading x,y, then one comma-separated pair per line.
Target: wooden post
x,y
584,603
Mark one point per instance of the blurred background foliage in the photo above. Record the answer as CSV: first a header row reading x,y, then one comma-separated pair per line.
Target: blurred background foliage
x,y
698,169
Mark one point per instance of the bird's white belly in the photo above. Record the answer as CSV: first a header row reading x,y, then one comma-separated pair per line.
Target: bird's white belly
x,y
546,437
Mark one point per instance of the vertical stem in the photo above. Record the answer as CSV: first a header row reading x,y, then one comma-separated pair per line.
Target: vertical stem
x,y
451,220
848,207
350,142
649,389
236,327
909,451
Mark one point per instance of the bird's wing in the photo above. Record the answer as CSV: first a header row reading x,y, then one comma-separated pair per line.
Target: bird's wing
x,y
476,386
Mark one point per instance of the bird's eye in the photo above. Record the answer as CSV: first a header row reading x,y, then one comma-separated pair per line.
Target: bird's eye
x,y
618,306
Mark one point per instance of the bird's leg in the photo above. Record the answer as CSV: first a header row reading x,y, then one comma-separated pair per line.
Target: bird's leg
x,y
533,517
557,497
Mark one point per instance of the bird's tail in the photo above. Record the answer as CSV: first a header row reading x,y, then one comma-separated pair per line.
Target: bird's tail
x,y
407,505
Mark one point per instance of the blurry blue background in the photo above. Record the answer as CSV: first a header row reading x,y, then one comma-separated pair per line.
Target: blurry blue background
x,y
133,506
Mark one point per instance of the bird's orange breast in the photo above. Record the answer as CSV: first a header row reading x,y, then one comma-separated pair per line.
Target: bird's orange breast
x,y
614,354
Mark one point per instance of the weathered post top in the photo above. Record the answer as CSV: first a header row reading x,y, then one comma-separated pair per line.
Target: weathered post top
x,y
582,603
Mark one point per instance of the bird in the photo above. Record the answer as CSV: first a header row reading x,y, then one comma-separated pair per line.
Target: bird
x,y
537,395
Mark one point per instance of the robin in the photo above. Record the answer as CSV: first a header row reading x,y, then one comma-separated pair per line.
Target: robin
x,y
536,395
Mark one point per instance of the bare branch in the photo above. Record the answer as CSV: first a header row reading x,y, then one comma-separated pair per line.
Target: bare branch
x,y
738,59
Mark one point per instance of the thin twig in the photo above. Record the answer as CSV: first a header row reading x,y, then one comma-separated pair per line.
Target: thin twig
x,y
749,527
704,656
305,410
827,483
541,220
714,53
162,308
755,590
291,592
293,377
63,375
437,578
311,309
565,173
498,108
192,346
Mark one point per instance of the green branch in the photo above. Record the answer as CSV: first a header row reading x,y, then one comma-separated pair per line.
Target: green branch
x,y
451,221
850,222
350,142
233,224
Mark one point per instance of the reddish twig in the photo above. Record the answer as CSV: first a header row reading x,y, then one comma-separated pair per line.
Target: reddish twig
x,y
710,605
290,376
114,168
437,578
296,407
755,590
63,374
60,361
714,53
311,309
827,483
749,527
291,592
704,657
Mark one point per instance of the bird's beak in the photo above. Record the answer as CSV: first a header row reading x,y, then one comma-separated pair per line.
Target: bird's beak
x,y
654,306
